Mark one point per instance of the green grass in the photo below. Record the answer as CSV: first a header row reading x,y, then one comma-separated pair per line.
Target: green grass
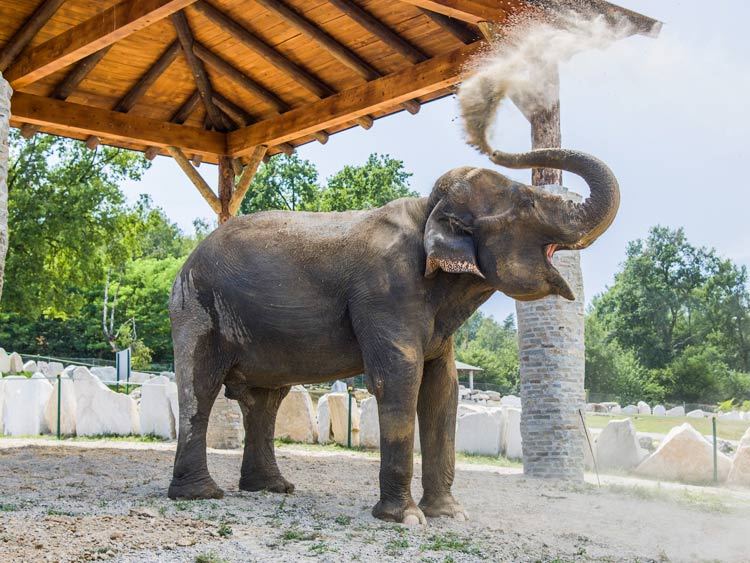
x,y
451,542
726,429
487,460
209,557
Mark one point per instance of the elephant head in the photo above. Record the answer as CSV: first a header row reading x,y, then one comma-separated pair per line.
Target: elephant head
x,y
485,224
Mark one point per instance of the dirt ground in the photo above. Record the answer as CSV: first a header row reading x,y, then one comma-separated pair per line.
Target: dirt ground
x,y
82,501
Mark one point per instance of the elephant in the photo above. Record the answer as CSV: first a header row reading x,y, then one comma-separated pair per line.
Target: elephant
x,y
282,298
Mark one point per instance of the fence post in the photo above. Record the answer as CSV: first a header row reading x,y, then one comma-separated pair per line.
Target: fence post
x,y
716,447
349,422
59,401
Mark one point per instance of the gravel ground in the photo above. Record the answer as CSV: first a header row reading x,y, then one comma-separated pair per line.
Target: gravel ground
x,y
84,501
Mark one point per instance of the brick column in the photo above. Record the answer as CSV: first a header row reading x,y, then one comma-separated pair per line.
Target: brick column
x,y
5,94
551,347
225,428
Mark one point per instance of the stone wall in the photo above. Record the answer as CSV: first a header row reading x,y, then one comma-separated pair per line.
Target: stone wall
x,y
225,429
5,93
551,349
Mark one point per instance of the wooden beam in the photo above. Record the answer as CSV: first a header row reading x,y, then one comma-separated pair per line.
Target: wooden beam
x,y
28,30
195,178
296,73
256,157
99,31
80,119
421,79
336,49
234,111
149,77
238,77
469,11
202,82
68,84
380,30
460,30
305,26
179,117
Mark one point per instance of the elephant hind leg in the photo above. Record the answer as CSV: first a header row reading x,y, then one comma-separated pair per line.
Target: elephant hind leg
x,y
199,378
259,469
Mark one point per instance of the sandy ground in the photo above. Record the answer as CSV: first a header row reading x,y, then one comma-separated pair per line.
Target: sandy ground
x,y
82,501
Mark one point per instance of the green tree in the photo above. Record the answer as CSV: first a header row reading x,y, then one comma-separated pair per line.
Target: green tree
x,y
67,220
380,180
284,182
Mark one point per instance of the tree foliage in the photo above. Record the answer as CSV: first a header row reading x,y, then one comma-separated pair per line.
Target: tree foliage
x,y
674,325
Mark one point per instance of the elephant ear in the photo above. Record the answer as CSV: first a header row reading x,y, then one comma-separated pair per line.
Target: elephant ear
x,y
448,244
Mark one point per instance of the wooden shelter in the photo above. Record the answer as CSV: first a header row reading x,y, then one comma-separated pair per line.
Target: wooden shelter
x,y
234,81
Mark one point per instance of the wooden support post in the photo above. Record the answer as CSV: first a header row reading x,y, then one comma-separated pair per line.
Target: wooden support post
x,y
243,184
196,179
226,187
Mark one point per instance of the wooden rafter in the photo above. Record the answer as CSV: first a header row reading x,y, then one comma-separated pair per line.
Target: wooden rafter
x,y
336,49
422,79
179,117
271,55
380,30
231,72
77,119
68,84
202,82
27,31
470,11
457,28
97,32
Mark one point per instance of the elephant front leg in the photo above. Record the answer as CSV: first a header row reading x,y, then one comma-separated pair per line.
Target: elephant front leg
x,y
395,385
438,402
259,470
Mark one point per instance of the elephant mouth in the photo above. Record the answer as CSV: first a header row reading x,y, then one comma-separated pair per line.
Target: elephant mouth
x,y
549,251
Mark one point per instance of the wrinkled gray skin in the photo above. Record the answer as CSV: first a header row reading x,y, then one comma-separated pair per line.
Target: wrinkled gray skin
x,y
276,299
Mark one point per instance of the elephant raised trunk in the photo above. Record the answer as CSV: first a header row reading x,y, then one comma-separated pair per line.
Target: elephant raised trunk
x,y
578,224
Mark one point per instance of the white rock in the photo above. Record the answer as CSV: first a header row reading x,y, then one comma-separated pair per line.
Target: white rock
x,y
105,374
324,420
369,424
739,474
67,407
611,407
745,440
4,362
16,363
99,410
464,408
659,410
155,411
338,403
31,367
676,411
511,401
697,413
493,395
138,377
643,408
2,401
25,400
512,433
684,455
732,415
53,368
338,387
480,433
296,419
617,446
630,409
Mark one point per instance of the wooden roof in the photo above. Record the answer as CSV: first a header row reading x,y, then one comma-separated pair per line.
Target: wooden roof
x,y
220,77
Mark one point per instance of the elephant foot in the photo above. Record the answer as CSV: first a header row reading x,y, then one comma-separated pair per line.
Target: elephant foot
x,y
204,488
435,506
274,484
402,511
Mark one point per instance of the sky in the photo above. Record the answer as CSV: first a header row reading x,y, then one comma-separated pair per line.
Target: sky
x,y
669,115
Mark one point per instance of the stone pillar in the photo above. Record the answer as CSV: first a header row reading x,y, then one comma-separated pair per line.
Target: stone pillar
x,y
225,429
5,94
551,349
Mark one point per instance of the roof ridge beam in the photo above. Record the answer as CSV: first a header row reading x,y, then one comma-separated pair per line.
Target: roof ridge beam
x,y
89,36
421,79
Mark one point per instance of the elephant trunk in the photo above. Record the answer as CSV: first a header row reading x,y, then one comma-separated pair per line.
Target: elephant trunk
x,y
579,224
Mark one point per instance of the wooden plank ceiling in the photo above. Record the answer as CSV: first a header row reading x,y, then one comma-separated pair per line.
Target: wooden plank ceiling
x,y
221,77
